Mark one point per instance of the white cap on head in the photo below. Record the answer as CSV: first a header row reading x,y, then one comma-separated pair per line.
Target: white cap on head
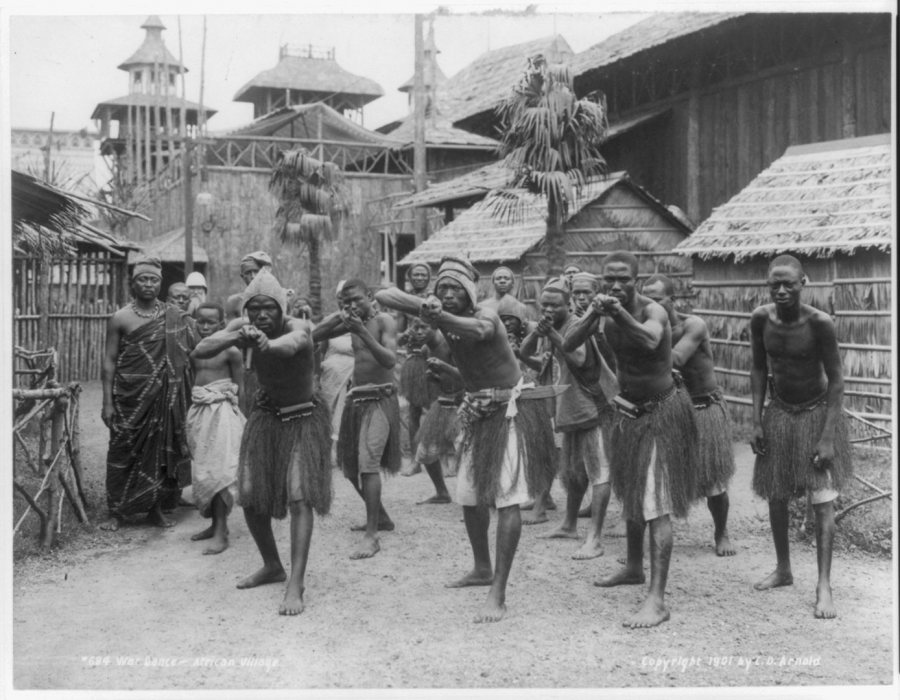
x,y
196,279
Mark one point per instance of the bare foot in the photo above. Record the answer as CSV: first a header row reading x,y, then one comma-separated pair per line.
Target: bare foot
x,y
156,517
111,524
561,533
590,549
439,498
825,609
585,512
491,612
724,548
774,580
652,613
368,548
292,603
263,576
204,534
217,545
383,525
473,578
535,519
623,577
529,505
619,529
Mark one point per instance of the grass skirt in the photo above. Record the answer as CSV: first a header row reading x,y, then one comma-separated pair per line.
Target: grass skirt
x,y
270,447
355,421
437,433
488,436
415,386
715,447
786,470
671,426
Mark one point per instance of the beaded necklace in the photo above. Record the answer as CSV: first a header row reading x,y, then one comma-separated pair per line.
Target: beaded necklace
x,y
151,314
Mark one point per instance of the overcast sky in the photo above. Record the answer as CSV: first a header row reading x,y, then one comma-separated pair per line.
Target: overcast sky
x,y
67,64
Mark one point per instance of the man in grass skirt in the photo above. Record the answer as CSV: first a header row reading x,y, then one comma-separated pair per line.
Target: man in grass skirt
x,y
800,438
653,440
506,442
369,438
286,446
692,356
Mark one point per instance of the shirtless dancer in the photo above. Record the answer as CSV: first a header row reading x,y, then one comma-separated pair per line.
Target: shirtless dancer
x,y
653,434
800,438
583,416
496,415
286,444
692,356
504,281
214,428
369,439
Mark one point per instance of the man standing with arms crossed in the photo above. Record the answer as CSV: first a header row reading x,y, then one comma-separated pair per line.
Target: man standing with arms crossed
x,y
286,446
496,415
800,439
653,435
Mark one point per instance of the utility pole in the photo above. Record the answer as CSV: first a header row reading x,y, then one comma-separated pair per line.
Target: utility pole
x,y
49,149
188,207
419,152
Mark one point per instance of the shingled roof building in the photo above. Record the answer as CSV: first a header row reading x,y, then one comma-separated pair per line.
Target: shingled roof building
x,y
831,206
305,75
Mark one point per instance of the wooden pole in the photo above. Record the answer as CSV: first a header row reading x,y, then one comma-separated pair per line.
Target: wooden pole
x,y
186,158
419,151
49,149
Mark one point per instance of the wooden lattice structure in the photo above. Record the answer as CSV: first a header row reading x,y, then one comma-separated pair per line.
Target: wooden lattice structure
x,y
45,432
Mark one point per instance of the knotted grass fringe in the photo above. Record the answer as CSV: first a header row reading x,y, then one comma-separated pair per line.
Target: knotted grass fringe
x,y
536,450
715,449
355,420
671,427
786,470
415,386
438,432
270,447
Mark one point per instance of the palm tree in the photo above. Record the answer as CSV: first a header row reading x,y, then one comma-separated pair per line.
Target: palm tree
x,y
312,200
551,141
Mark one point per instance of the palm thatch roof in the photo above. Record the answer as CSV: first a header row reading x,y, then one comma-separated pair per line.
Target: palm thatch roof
x,y
49,221
482,85
311,75
474,184
656,30
153,50
477,233
818,200
439,131
304,121
169,247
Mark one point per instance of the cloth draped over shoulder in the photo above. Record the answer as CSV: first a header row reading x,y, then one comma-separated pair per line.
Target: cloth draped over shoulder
x,y
148,455
215,425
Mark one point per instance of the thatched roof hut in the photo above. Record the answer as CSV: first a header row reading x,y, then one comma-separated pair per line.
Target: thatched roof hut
x,y
608,214
307,75
830,205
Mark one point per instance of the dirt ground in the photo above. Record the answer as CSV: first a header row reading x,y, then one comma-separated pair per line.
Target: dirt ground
x,y
143,609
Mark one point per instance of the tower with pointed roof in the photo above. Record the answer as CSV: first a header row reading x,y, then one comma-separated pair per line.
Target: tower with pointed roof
x,y
144,128
305,75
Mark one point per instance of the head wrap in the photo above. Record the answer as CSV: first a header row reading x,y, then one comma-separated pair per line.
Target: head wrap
x,y
265,285
196,279
260,257
147,266
557,284
460,271
424,266
584,277
510,306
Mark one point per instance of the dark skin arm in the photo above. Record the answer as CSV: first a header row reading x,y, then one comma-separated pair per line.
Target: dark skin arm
x,y
646,335
108,369
329,327
383,349
231,335
694,334
826,340
758,375
581,330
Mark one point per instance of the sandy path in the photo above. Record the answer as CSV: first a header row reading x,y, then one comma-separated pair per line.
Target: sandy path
x,y
142,609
